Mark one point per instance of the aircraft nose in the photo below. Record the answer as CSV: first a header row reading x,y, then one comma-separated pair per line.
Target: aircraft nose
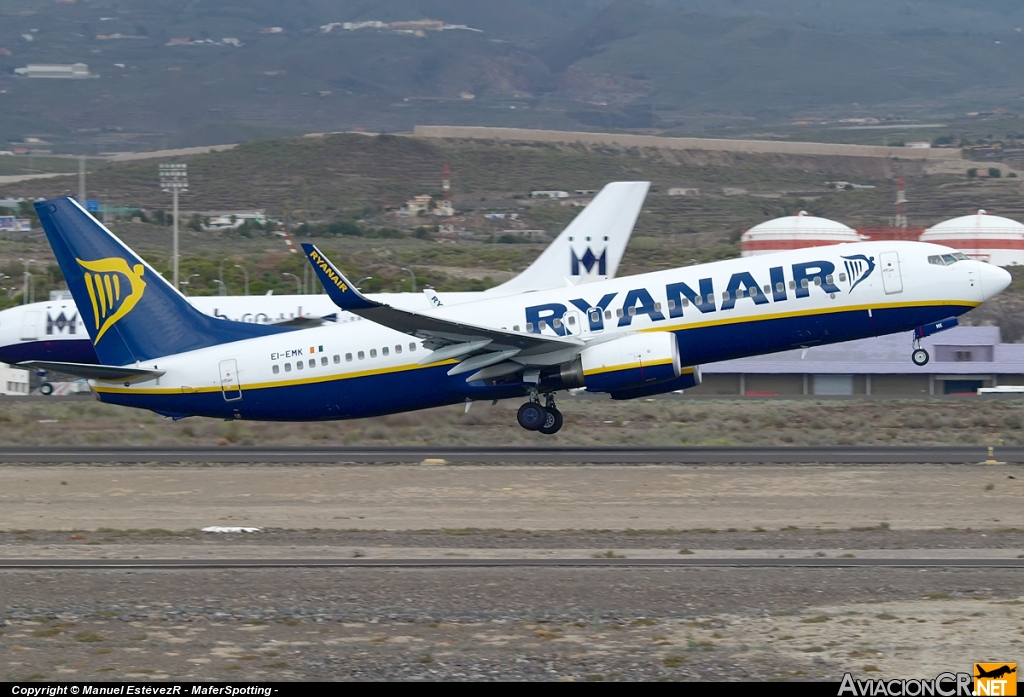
x,y
994,280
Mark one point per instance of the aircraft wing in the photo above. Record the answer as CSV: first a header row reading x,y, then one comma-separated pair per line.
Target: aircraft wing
x,y
305,322
479,346
90,371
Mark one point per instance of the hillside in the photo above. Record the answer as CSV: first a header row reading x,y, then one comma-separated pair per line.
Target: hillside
x,y
182,73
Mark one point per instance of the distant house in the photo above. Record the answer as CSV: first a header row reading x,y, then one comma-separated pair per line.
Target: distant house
x,y
549,194
683,191
231,221
74,71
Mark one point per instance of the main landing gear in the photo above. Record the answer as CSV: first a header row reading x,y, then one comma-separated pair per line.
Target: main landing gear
x,y
919,356
534,417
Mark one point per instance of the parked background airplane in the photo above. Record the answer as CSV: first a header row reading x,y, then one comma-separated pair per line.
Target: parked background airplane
x,y
629,337
589,249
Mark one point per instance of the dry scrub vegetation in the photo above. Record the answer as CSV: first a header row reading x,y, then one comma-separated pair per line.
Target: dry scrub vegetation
x,y
666,421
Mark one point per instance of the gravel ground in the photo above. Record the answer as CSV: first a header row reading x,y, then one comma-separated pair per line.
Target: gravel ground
x,y
481,624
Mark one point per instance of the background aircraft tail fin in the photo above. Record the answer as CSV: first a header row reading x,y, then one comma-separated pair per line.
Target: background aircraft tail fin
x,y
591,247
131,312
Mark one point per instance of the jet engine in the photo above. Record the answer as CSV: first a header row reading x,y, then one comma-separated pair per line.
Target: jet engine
x,y
632,362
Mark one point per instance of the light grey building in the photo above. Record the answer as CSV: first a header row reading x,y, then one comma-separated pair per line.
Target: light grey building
x,y
963,359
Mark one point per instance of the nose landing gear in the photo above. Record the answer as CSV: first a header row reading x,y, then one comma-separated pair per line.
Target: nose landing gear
x,y
545,419
919,355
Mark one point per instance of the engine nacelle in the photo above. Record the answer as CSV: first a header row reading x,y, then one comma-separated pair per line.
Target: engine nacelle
x,y
631,362
689,378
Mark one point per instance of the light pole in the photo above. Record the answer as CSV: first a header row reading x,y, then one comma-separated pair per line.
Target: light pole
x,y
298,282
359,283
28,264
246,274
223,290
188,280
174,178
413,277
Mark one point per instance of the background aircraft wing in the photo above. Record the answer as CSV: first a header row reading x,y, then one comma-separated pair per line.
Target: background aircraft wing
x,y
91,371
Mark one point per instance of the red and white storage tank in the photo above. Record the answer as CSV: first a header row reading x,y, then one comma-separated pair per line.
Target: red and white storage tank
x,y
795,232
984,237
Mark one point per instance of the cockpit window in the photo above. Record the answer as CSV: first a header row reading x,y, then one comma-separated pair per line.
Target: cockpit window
x,y
947,259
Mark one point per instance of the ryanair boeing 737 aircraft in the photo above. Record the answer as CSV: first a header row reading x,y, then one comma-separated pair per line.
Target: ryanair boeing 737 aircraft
x,y
630,337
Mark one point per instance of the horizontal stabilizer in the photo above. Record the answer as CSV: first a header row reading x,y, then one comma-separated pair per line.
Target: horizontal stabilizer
x,y
90,371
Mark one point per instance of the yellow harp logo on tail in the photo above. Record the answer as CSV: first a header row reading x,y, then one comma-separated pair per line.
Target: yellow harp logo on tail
x,y
114,289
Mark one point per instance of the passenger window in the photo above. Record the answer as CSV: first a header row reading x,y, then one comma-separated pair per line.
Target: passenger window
x,y
828,279
542,325
348,357
287,367
817,280
373,353
657,307
711,299
556,323
842,277
607,314
337,359
595,317
685,302
671,304
361,355
740,293
385,351
398,348
515,327
618,313
792,284
529,326
632,312
276,369
412,346
780,287
572,320
323,360
767,289
299,365
804,283
725,295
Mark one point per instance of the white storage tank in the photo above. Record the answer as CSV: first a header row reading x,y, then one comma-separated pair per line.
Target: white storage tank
x,y
795,232
984,237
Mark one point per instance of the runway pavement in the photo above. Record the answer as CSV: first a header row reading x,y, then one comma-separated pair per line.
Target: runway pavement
x,y
608,455
600,562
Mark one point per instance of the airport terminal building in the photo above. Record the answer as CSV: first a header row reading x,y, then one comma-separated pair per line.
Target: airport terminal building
x,y
963,359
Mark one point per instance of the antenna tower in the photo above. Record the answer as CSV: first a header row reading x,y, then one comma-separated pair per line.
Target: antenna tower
x,y
901,204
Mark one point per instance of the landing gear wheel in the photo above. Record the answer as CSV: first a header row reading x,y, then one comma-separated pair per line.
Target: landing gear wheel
x,y
531,416
46,389
552,422
919,356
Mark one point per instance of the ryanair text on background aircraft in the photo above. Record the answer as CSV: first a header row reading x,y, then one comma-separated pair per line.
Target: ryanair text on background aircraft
x,y
589,249
630,337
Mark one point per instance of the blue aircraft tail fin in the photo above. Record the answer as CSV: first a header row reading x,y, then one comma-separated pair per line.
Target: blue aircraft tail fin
x,y
131,312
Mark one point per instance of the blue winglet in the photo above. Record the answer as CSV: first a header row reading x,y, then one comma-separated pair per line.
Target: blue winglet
x,y
339,289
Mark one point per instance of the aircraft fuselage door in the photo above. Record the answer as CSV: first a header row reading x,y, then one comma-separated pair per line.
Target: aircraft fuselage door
x,y
229,385
30,325
573,323
892,281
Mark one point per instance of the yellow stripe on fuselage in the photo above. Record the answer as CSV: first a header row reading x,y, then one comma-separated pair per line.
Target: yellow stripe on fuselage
x,y
116,389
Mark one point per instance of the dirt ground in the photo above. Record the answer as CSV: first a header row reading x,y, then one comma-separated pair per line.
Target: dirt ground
x,y
416,497
508,623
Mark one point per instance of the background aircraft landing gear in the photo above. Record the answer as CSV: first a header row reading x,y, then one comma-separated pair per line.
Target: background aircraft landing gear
x,y
553,417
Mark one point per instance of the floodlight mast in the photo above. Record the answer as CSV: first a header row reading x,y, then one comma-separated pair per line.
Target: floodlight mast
x,y
174,178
